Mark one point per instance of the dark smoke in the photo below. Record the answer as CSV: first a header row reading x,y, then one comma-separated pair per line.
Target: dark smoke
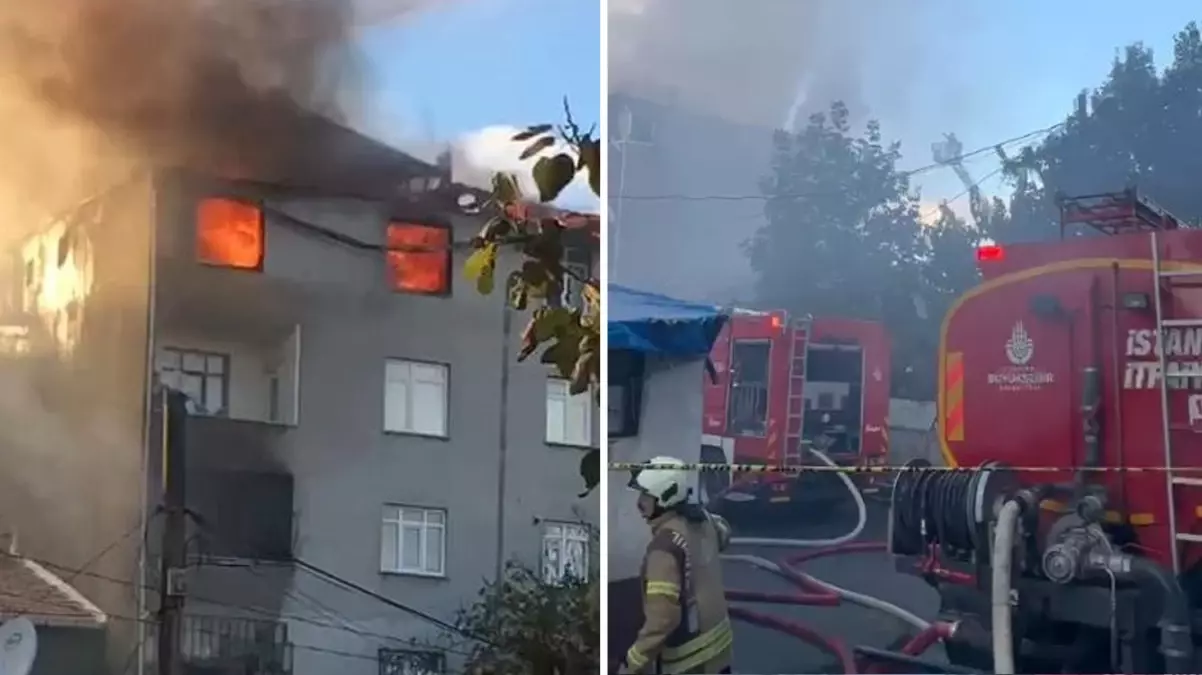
x,y
87,85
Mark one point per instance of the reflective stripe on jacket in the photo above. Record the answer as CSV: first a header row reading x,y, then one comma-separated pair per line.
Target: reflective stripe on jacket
x,y
685,628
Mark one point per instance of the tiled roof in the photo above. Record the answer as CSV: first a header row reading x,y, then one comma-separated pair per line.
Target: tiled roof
x,y
572,220
29,589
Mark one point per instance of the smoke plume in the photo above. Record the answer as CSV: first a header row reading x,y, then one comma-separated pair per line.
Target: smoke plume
x,y
753,62
88,86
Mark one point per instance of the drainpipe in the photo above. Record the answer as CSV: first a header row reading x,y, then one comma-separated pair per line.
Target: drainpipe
x,y
503,428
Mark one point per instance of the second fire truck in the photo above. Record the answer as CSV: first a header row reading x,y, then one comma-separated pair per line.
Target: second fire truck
x,y
778,383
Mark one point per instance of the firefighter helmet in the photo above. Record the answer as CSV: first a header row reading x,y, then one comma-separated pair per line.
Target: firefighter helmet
x,y
667,482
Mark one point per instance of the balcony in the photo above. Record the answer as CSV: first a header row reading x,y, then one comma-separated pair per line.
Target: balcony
x,y
218,645
250,374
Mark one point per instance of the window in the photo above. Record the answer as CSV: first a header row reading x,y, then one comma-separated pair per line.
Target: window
x,y
565,551
202,376
413,541
747,403
419,258
625,385
569,418
229,233
415,398
412,662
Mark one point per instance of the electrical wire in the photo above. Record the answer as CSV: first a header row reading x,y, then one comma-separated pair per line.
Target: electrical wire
x,y
347,583
305,599
961,195
926,168
294,645
258,611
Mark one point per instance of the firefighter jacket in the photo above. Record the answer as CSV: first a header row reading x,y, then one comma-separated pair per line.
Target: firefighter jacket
x,y
686,628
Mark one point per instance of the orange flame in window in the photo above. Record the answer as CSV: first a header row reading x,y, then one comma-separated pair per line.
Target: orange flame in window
x,y
229,233
419,258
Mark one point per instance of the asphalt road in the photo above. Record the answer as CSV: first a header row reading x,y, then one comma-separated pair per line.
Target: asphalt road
x,y
762,650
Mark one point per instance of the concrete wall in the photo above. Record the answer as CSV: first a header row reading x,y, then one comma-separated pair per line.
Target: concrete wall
x,y
686,248
670,424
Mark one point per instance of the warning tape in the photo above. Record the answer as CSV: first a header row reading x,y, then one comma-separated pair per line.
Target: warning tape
x,y
761,468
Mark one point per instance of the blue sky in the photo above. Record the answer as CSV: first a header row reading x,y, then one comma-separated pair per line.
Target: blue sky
x,y
1019,66
470,64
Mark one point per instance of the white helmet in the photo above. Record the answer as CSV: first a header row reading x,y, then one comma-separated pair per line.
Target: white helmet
x,y
669,486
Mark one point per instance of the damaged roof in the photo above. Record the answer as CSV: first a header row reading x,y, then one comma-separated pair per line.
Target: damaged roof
x,y
280,142
29,589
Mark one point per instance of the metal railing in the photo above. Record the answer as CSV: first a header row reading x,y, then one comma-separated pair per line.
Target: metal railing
x,y
221,645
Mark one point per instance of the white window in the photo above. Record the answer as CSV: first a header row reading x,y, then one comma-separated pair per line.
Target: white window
x,y
569,418
413,541
202,376
415,397
565,551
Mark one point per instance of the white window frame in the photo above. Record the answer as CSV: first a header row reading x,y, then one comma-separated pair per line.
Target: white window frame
x,y
179,354
563,533
401,378
394,516
557,392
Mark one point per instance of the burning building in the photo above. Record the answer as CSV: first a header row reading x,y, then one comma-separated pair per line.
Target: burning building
x,y
347,404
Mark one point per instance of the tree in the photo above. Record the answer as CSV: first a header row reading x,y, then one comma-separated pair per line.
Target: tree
x,y
1138,128
565,338
533,626
844,237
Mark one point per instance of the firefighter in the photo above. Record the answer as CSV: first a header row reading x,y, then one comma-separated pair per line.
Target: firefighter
x,y
685,625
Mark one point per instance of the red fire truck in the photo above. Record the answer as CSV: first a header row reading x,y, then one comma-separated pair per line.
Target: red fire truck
x,y
1071,377
778,382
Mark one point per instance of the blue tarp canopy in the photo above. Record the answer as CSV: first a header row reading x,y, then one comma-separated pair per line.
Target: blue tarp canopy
x,y
656,324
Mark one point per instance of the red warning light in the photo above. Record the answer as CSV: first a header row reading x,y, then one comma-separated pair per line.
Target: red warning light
x,y
777,322
990,253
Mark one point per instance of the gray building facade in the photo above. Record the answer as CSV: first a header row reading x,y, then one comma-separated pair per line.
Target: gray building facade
x,y
355,405
682,197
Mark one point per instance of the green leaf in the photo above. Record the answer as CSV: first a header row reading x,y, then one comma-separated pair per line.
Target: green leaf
x,y
495,228
563,355
590,471
486,281
585,371
531,132
481,261
552,175
537,147
590,160
550,322
505,188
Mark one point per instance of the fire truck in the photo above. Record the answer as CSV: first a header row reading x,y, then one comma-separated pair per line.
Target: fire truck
x,y
777,382
1070,386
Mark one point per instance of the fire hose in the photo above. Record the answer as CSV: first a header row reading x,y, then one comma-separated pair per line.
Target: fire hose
x,y
813,591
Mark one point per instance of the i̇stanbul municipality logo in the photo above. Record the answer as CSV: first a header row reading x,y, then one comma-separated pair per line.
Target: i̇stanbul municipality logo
x,y
1020,348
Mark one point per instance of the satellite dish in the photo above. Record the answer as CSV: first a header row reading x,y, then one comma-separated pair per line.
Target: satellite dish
x,y
18,646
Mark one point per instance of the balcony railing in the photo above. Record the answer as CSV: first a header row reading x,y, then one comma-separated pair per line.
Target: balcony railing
x,y
227,645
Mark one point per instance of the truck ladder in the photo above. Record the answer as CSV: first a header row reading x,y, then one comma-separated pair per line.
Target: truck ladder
x,y
799,343
1115,213
1164,280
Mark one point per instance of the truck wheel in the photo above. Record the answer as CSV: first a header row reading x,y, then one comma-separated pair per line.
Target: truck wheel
x,y
712,483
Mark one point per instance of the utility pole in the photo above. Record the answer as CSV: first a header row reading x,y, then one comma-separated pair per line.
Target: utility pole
x,y
174,411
